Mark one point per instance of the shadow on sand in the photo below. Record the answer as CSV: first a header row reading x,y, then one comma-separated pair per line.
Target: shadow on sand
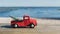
x,y
8,26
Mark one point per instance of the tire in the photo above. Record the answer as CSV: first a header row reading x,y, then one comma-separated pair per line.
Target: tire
x,y
15,25
32,26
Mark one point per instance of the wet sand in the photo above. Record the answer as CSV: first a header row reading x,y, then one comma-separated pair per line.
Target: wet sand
x,y
45,26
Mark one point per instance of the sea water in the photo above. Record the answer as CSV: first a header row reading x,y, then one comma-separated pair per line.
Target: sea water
x,y
37,12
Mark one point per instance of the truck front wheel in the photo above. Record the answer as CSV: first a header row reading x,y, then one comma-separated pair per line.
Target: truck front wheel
x,y
31,25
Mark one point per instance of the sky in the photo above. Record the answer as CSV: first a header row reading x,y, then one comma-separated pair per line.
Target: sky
x,y
30,3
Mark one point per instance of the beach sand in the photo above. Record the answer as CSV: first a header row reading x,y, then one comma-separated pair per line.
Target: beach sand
x,y
44,26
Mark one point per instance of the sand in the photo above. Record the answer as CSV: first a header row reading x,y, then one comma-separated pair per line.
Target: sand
x,y
45,26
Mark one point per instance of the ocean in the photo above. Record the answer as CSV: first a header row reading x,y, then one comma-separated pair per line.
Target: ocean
x,y
36,12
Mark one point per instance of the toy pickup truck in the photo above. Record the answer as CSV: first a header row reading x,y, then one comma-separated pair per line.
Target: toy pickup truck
x,y
25,22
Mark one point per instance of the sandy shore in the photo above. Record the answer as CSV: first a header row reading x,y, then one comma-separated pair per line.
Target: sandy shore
x,y
45,26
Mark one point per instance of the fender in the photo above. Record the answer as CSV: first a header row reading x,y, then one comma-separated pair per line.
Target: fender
x,y
33,21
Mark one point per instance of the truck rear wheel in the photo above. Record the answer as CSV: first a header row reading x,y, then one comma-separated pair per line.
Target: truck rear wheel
x,y
15,25
31,25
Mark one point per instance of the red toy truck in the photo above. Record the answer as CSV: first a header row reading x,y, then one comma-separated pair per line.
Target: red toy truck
x,y
25,22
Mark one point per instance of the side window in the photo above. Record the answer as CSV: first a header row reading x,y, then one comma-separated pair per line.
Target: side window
x,y
26,18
